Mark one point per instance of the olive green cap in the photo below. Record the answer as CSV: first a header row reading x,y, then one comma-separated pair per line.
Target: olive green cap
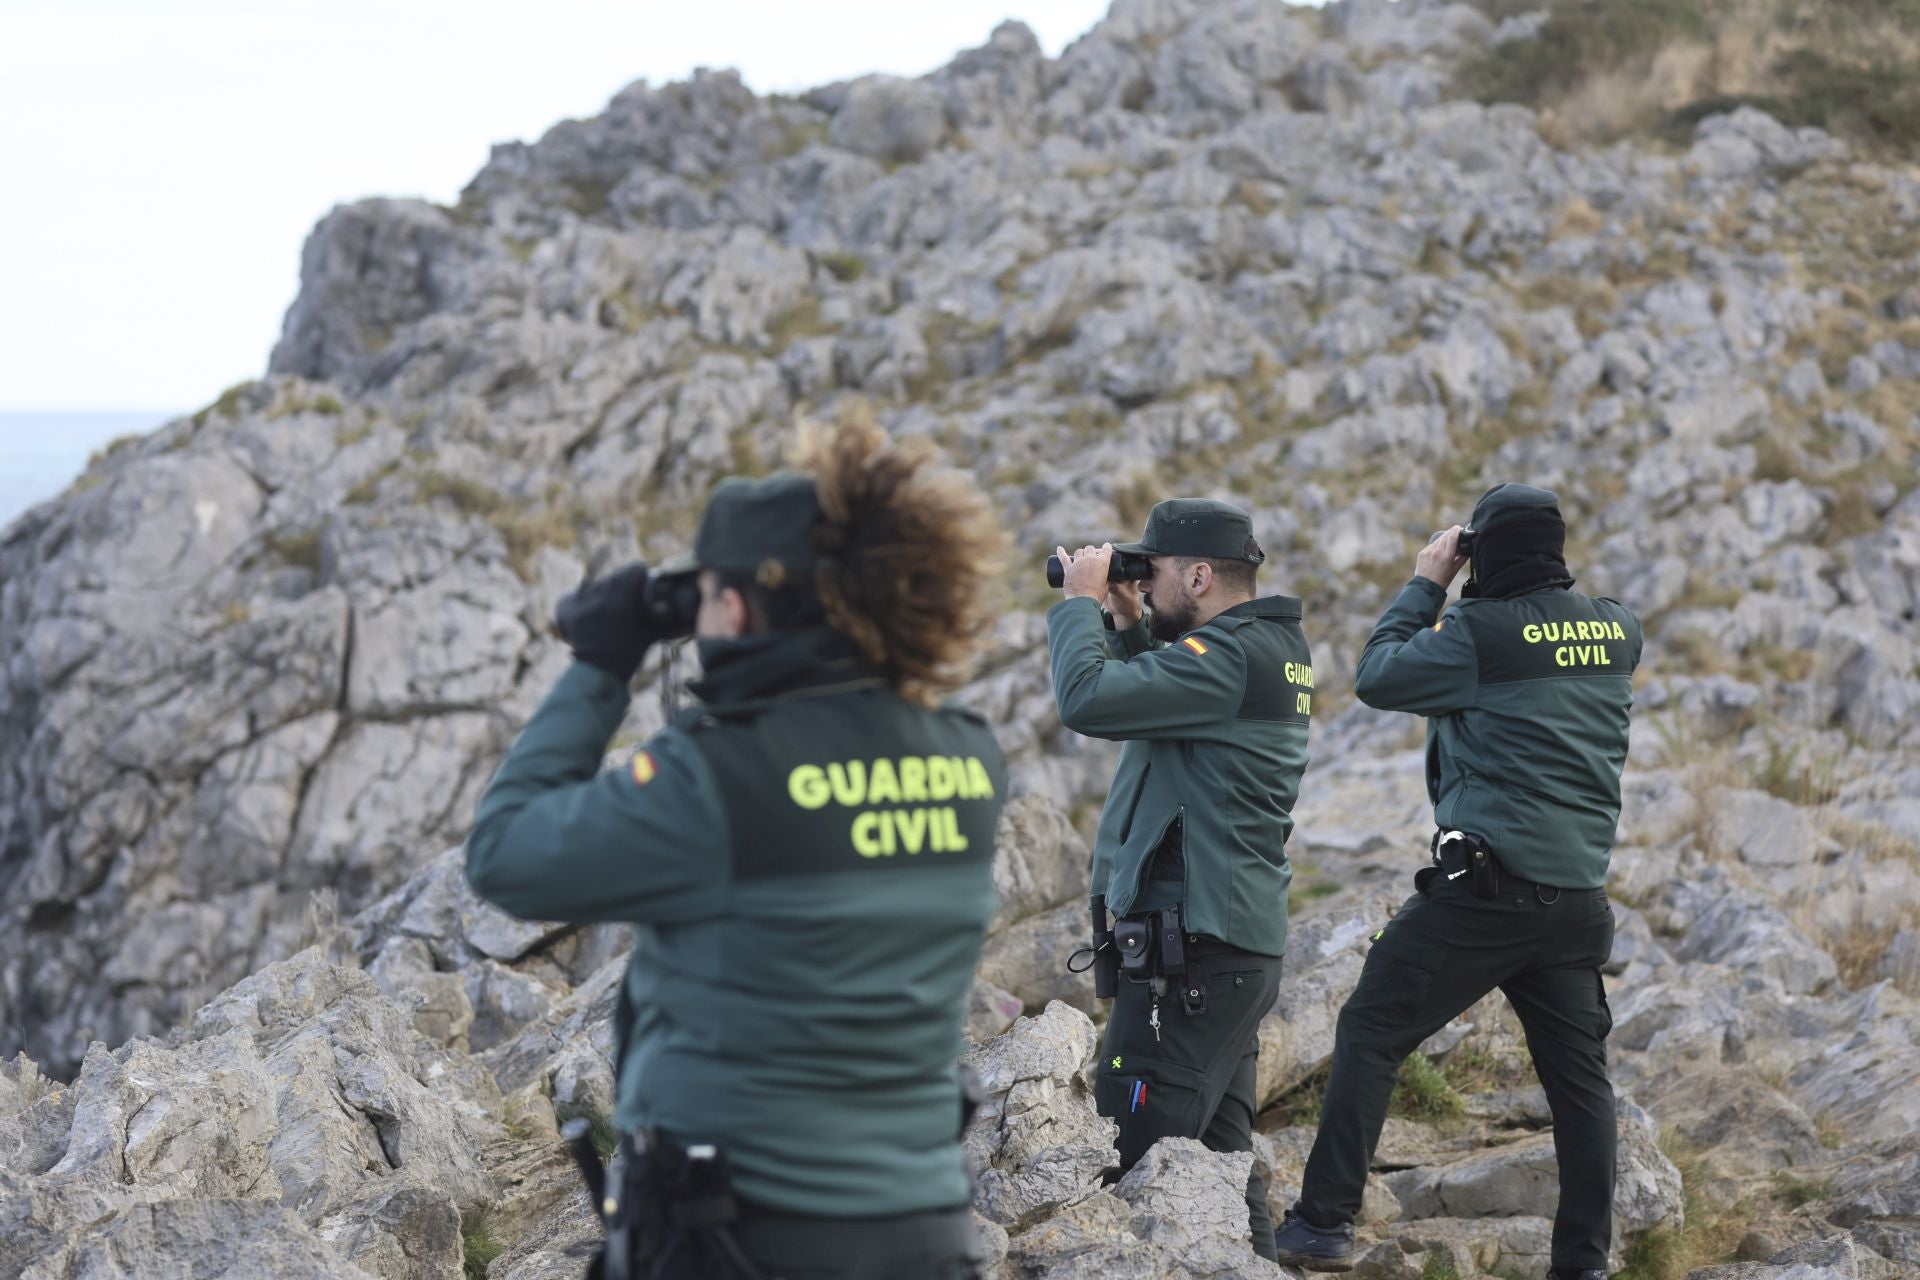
x,y
755,525
1197,527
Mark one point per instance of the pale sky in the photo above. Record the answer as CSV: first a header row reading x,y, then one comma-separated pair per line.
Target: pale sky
x,y
165,161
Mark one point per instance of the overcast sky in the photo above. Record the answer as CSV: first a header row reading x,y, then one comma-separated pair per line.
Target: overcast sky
x,y
164,161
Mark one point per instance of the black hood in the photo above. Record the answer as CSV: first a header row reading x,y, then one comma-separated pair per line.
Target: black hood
x,y
1519,542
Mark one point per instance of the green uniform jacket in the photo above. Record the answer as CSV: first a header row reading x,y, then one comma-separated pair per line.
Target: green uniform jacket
x,y
809,859
1528,698
1215,734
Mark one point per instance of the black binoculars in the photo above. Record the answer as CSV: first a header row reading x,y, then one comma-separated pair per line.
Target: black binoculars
x,y
1465,545
1126,566
670,602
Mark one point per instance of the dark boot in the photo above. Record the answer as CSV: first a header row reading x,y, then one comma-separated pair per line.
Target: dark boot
x,y
1299,1243
1591,1273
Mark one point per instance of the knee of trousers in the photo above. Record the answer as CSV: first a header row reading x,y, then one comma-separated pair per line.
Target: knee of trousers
x,y
1372,1033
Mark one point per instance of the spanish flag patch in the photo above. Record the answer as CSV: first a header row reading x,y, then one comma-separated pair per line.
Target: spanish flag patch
x,y
1440,624
643,769
1194,645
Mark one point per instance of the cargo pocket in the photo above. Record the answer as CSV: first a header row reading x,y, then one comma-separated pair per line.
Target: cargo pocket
x,y
1149,1100
1399,972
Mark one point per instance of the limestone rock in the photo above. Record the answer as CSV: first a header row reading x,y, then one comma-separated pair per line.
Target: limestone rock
x,y
1030,959
1749,142
189,1123
35,1116
1188,1192
1522,1179
1039,862
889,119
1036,1141
187,1239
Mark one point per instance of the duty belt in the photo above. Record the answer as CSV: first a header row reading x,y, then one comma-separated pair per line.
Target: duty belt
x,y
1458,854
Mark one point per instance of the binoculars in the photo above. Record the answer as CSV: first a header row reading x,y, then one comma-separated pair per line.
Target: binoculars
x,y
1126,566
1464,546
670,602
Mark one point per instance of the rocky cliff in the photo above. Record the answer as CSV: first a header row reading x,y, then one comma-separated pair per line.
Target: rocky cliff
x,y
255,667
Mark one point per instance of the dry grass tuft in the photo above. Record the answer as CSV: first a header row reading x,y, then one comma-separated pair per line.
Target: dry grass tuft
x,y
1710,1232
1608,68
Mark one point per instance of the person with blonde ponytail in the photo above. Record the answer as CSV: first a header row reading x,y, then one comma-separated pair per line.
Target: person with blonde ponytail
x,y
808,854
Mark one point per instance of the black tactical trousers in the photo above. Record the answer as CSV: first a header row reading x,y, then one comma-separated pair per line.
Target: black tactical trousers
x,y
940,1245
1443,951
1197,1079
916,1246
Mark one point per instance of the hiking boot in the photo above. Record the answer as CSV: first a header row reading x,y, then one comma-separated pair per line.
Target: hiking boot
x,y
1591,1273
1298,1243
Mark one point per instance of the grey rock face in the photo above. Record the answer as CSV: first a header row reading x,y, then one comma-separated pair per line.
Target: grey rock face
x,y
1748,142
1325,956
1521,1179
1036,1141
186,1239
300,1105
192,1123
892,120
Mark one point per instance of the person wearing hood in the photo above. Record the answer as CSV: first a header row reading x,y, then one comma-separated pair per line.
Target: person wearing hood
x,y
1526,685
808,856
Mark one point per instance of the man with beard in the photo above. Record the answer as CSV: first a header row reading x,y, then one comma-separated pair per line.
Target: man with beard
x,y
1526,685
1211,702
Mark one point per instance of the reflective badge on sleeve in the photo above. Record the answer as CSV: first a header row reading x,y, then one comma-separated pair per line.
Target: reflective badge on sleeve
x,y
1194,645
643,769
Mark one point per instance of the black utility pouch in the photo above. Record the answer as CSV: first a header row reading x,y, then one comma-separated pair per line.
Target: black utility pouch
x,y
1464,855
1133,939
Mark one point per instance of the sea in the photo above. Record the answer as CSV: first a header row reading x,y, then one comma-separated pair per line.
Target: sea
x,y
44,451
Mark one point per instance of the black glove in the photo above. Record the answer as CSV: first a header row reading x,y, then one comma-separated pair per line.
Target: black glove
x,y
603,621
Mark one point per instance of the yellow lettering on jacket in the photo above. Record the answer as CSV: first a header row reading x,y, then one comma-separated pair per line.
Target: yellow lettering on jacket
x,y
849,780
883,784
913,779
808,786
866,835
856,784
1568,632
979,785
1299,673
884,833
1582,655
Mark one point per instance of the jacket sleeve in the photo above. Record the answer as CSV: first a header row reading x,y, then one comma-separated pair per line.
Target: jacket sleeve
x,y
1186,690
555,838
1412,663
1129,642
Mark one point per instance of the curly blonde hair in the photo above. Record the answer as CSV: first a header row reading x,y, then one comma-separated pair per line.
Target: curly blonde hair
x,y
910,553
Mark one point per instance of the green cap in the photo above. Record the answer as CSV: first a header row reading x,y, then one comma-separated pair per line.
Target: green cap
x,y
755,525
1197,527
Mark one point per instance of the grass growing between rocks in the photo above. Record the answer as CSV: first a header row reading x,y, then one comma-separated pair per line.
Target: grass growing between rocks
x,y
478,1245
1794,1192
1609,68
1424,1093
1710,1232
1301,1105
606,1138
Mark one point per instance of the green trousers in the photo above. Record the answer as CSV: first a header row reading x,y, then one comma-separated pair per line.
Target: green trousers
x,y
1196,1078
1443,951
